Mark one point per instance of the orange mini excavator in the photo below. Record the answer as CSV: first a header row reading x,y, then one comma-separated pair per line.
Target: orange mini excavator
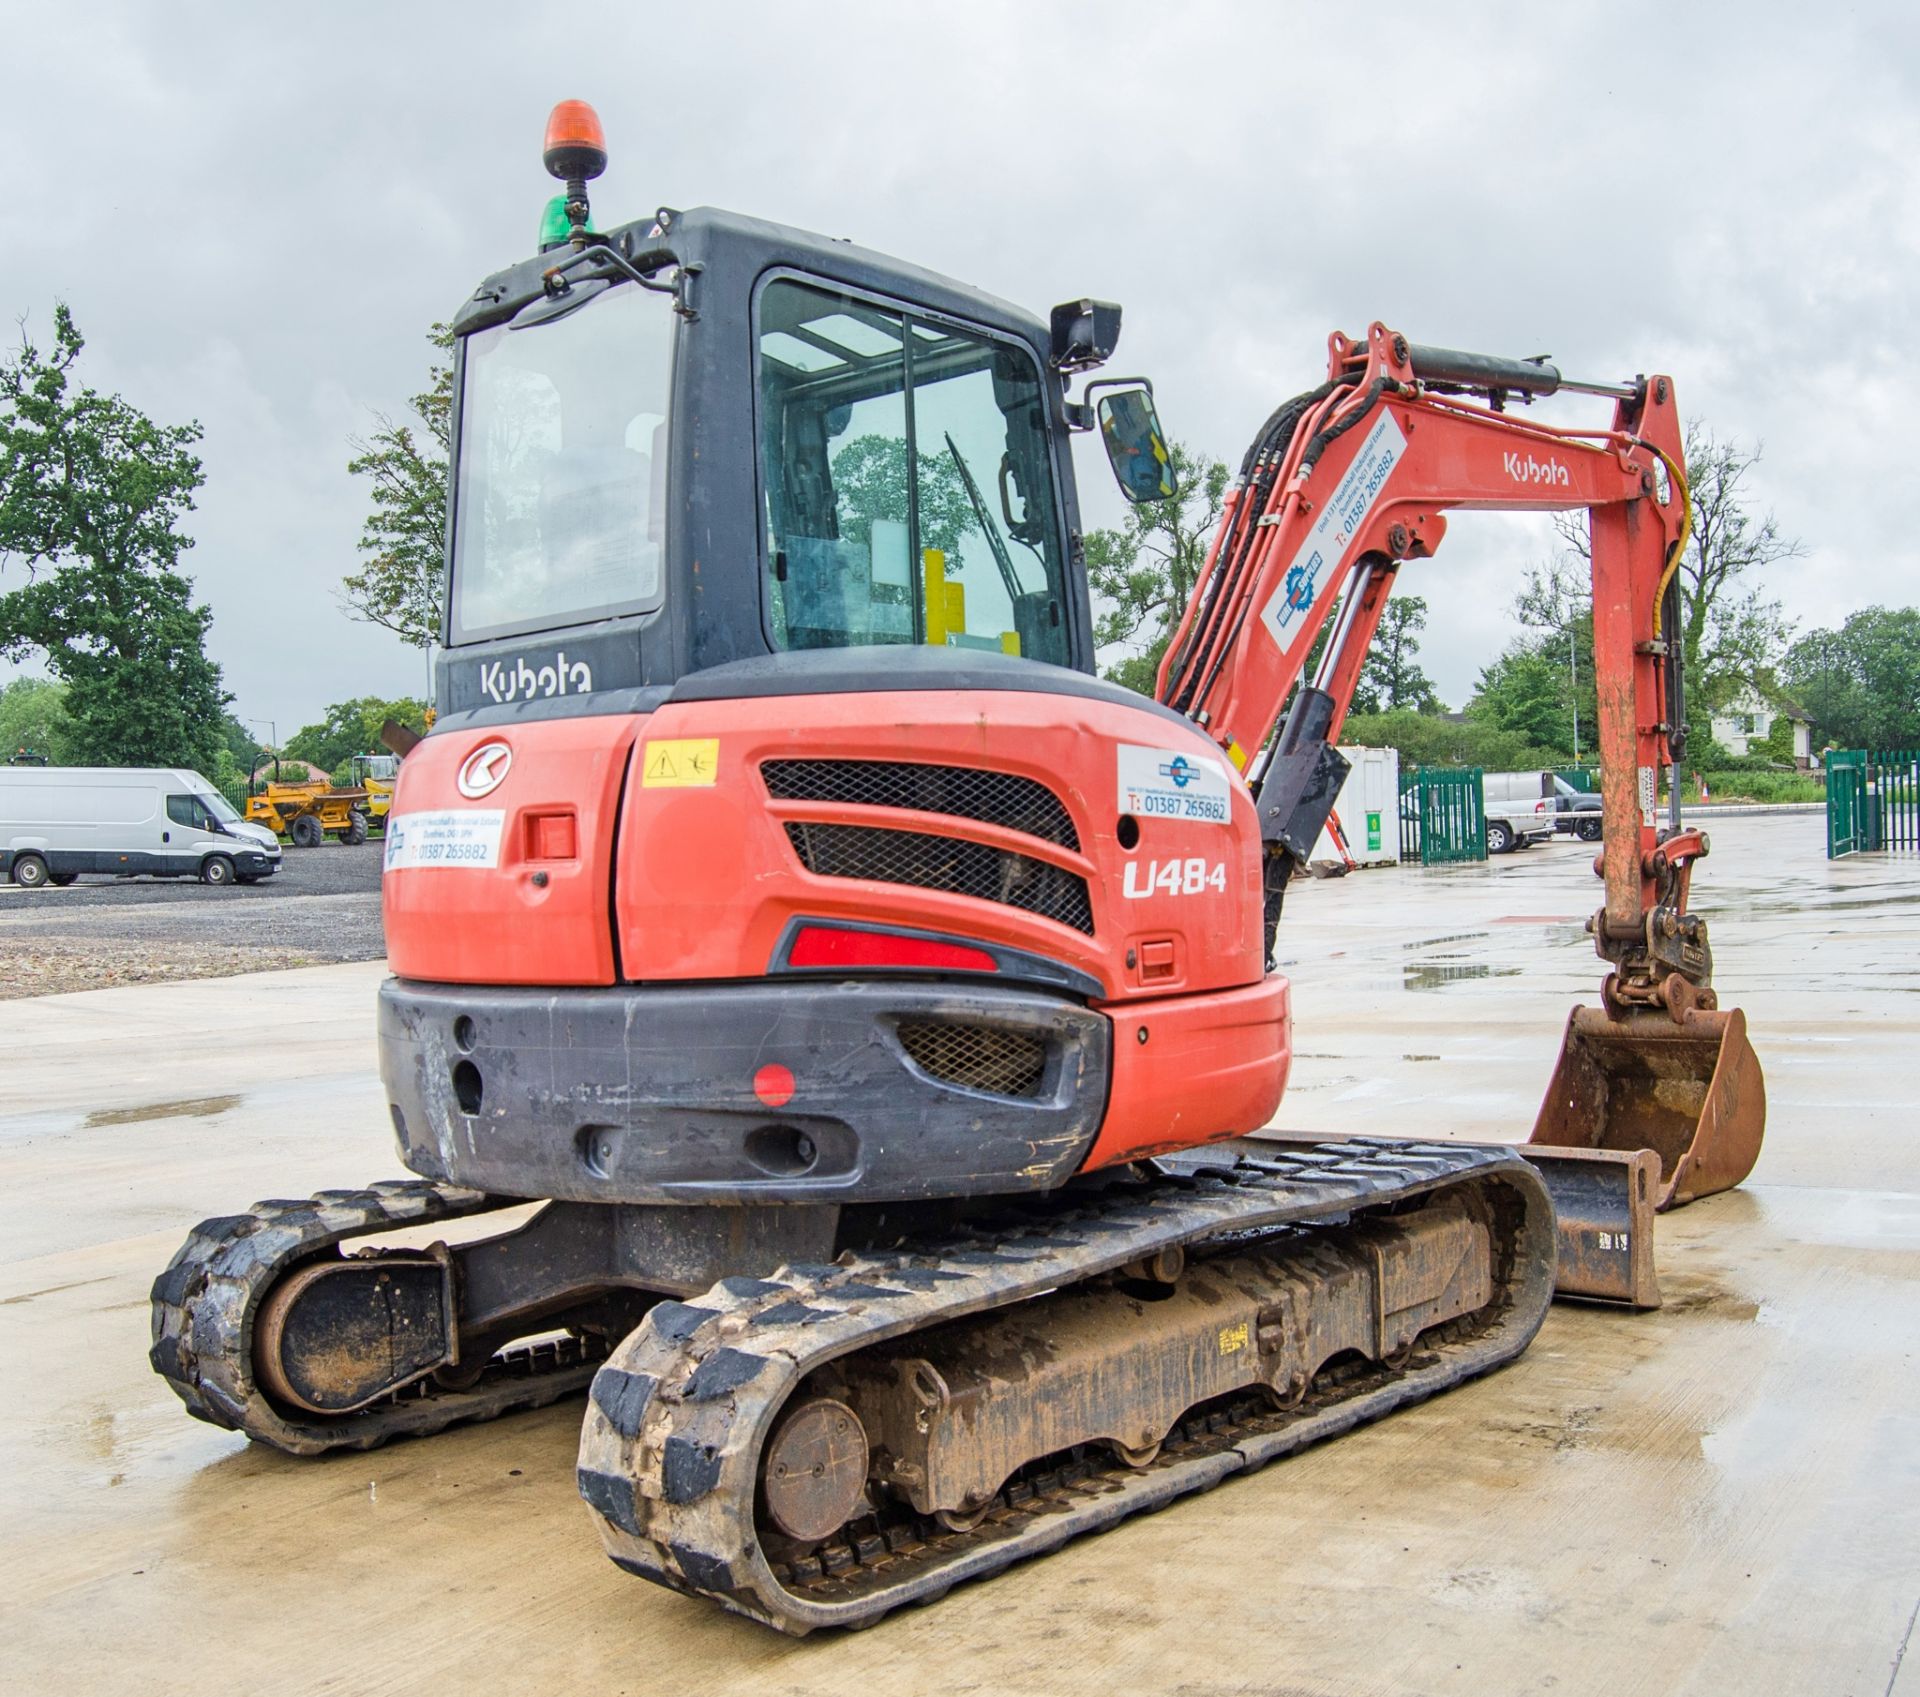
x,y
783,903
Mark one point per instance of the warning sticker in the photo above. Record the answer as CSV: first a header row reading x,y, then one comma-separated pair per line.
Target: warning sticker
x,y
1649,796
684,763
1341,516
468,837
1233,1339
1166,783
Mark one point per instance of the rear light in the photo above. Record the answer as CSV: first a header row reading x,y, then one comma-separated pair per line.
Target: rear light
x,y
823,945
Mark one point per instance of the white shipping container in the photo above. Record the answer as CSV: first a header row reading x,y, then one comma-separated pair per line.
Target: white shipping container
x,y
1368,809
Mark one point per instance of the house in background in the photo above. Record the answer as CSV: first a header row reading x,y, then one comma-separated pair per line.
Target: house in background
x,y
1745,722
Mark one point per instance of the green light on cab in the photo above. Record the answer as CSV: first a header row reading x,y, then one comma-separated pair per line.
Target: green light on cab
x,y
555,231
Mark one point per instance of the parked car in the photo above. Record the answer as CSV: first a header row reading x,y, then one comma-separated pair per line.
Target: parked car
x,y
57,822
1576,811
1520,809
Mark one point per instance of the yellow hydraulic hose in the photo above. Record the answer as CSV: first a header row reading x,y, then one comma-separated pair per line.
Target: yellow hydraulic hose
x,y
1679,548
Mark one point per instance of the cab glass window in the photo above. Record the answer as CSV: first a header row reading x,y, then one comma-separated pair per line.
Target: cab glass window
x,y
560,494
186,810
909,496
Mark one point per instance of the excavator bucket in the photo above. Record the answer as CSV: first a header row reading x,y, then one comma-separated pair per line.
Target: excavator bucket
x,y
1689,1090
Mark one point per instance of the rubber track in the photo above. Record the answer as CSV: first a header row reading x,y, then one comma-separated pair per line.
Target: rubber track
x,y
204,1304
678,1416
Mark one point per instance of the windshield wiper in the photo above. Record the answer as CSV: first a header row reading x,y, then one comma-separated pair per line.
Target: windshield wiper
x,y
1001,557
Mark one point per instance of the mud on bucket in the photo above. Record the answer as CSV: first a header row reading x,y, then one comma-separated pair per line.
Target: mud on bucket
x,y
1690,1091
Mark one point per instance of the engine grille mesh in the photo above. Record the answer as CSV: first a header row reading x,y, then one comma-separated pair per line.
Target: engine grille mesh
x,y
977,1057
944,863
962,792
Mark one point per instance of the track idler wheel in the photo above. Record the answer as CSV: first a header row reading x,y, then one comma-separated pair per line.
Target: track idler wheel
x,y
333,1336
814,1477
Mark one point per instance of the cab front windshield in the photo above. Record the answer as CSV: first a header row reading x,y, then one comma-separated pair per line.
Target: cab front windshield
x,y
560,495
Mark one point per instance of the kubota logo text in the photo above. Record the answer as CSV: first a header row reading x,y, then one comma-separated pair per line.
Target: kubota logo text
x,y
522,682
1524,468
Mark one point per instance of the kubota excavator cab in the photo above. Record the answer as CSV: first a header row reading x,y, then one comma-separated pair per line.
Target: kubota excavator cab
x,y
772,795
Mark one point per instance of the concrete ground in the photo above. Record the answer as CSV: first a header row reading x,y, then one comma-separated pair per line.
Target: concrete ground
x,y
322,905
1723,1496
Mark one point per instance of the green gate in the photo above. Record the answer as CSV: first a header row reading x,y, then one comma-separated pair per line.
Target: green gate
x,y
1443,815
1873,800
1846,800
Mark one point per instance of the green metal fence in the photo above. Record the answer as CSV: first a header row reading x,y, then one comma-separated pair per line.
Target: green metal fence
x,y
1873,800
1443,815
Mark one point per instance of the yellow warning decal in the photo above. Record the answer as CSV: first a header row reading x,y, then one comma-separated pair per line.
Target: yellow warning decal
x,y
683,763
1233,1339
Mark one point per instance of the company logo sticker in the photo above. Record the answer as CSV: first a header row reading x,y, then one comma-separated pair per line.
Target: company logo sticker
x,y
482,770
1333,531
1169,783
463,838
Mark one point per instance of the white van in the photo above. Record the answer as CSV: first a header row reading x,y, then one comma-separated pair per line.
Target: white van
x,y
57,822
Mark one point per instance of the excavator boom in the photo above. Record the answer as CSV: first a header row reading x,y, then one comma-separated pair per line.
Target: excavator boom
x,y
1342,486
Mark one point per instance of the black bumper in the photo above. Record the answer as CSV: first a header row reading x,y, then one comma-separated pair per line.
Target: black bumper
x,y
674,1094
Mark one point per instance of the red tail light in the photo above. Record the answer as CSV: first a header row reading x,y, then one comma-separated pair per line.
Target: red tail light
x,y
822,945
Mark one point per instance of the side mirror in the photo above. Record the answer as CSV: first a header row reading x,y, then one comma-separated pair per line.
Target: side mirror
x,y
1085,333
1136,447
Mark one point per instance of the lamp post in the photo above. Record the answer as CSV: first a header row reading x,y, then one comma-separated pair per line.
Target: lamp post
x,y
1573,692
273,734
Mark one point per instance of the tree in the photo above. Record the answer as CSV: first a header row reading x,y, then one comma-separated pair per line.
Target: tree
x,y
91,495
1524,692
402,584
34,721
870,482
1545,685
1143,573
1390,677
350,728
1729,629
1432,739
1861,683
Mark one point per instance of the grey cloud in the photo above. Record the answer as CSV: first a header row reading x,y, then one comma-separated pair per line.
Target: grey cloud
x,y
255,213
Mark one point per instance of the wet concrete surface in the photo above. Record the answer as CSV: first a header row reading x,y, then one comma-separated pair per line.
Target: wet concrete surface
x,y
1723,1496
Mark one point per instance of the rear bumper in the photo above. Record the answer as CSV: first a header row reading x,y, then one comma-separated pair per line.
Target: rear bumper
x,y
751,1092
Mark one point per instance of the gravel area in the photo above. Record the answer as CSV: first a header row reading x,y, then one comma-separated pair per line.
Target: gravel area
x,y
322,906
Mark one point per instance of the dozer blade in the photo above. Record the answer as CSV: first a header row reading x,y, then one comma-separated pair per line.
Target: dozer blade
x,y
1690,1091
1603,1221
1603,1206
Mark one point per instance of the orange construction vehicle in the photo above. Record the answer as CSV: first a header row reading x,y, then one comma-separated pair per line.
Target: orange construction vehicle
x,y
872,994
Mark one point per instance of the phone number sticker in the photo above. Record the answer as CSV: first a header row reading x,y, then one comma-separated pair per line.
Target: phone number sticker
x,y
468,837
1167,783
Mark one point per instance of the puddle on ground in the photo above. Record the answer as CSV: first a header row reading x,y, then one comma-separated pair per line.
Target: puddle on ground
x,y
193,1107
1433,975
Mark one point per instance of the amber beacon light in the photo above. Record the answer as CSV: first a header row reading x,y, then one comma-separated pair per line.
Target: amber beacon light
x,y
576,153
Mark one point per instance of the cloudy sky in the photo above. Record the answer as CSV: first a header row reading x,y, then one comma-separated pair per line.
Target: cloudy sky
x,y
256,211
